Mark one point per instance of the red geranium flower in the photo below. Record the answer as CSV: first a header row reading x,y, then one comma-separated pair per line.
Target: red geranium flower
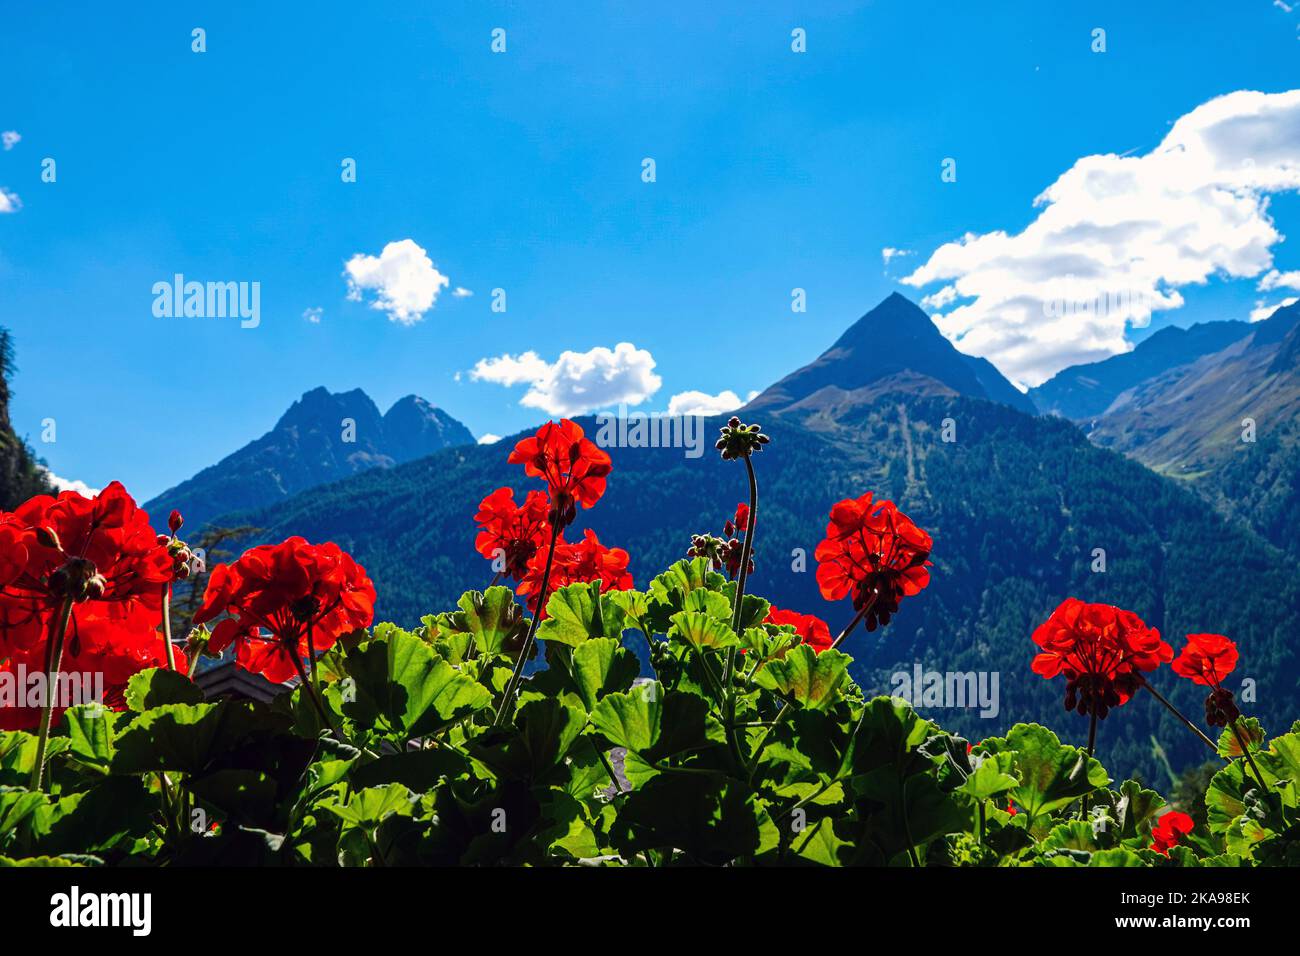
x,y
99,552
573,467
285,601
1207,659
813,630
1102,651
586,561
101,654
516,533
1169,831
875,553
740,524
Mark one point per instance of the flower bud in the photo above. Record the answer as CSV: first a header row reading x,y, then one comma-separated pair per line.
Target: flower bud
x,y
46,538
174,521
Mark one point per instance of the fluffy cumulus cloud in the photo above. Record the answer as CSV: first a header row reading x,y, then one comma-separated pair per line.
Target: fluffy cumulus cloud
x,y
313,314
702,403
9,202
401,281
9,139
70,484
576,382
1116,237
487,438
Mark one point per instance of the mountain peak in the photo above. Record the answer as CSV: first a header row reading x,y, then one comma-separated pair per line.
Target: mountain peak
x,y
322,437
895,344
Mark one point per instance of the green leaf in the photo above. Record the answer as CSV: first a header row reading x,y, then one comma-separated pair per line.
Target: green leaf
x,y
686,576
655,724
635,606
1136,810
577,613
1251,732
700,629
712,820
189,737
989,779
602,666
404,688
493,619
157,686
806,677
370,807
90,732
1051,774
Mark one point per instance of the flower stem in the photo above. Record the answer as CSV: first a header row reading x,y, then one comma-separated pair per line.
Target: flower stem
x,y
167,625
1092,746
1179,714
747,548
1245,750
54,659
532,630
311,691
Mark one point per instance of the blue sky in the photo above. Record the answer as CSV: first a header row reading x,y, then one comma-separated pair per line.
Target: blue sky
x,y
523,171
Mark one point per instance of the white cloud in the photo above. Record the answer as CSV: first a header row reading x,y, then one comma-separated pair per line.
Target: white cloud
x,y
576,382
1263,311
889,252
1279,280
702,403
313,314
402,277
69,484
9,139
1115,237
1284,7
9,202
461,292
488,439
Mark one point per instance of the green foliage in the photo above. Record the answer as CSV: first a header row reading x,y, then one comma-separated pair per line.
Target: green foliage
x,y
776,761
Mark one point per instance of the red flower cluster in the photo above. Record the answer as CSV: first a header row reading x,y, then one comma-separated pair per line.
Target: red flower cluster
x,y
586,561
305,597
875,553
811,629
512,532
573,467
1102,650
98,554
1170,830
1208,659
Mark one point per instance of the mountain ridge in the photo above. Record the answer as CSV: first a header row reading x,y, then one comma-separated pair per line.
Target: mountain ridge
x,y
321,437
1017,505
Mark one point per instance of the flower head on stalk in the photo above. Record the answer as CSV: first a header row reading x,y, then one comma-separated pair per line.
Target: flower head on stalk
x,y
572,466
1102,651
512,533
740,440
285,601
98,553
1207,660
873,553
